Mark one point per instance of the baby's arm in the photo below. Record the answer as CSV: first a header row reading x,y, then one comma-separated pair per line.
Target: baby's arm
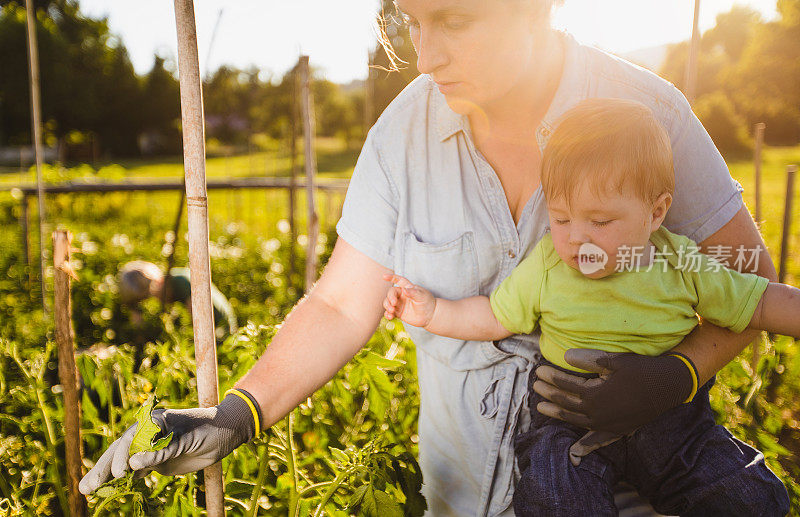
x,y
469,318
778,311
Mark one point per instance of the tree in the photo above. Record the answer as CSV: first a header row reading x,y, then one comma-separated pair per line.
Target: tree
x,y
720,48
765,83
161,110
755,66
87,82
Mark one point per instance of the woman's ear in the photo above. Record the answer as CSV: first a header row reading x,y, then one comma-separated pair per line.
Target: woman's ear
x,y
660,208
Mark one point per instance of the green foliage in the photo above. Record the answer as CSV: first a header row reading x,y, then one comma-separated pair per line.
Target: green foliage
x,y
144,439
122,366
751,63
727,128
87,80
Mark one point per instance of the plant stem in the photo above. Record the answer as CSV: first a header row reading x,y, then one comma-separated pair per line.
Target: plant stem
x,y
41,470
331,490
262,474
34,384
291,463
114,498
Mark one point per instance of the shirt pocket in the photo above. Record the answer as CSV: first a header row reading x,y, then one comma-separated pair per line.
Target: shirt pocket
x,y
448,270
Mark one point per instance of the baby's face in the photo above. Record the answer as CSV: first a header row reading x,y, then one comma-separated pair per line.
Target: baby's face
x,y
611,222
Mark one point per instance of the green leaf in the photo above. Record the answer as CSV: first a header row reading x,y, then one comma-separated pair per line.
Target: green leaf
x,y
105,491
358,497
146,431
370,358
386,506
339,455
380,392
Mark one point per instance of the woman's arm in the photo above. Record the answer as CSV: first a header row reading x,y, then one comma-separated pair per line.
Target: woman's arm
x,y
711,347
321,334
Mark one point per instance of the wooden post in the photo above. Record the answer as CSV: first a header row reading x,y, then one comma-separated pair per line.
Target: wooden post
x,y
691,63
311,172
293,183
67,372
791,170
194,154
759,137
33,70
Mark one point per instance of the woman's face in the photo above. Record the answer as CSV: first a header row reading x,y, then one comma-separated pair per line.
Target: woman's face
x,y
475,50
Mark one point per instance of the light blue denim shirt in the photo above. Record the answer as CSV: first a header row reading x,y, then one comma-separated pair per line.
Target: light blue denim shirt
x,y
423,202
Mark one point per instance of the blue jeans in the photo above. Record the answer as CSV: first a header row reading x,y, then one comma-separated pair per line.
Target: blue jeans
x,y
682,462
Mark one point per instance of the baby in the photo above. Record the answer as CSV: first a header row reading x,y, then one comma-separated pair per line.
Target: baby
x,y
608,276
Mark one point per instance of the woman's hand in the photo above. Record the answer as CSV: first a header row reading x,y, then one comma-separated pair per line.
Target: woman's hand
x,y
631,390
411,303
201,437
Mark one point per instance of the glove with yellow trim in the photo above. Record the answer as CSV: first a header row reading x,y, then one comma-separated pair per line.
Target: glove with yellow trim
x,y
630,391
201,437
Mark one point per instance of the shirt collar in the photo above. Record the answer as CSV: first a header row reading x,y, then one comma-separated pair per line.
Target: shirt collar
x,y
447,121
571,89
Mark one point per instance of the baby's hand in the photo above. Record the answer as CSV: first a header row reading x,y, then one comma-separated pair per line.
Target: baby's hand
x,y
412,304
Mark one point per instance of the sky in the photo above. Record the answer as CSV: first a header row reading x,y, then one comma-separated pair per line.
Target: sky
x,y
336,34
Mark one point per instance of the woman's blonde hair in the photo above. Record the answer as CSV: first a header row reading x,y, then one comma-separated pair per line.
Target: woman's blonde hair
x,y
614,145
383,20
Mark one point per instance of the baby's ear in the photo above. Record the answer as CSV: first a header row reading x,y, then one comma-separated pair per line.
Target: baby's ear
x,y
660,208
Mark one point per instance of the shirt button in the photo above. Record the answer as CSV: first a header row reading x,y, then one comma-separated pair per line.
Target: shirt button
x,y
511,254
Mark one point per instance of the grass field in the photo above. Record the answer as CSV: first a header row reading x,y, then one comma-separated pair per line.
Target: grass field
x,y
759,400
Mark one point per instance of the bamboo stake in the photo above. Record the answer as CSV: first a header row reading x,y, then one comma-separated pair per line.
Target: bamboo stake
x,y
67,373
173,246
791,170
759,136
33,70
311,172
293,184
23,226
691,64
197,217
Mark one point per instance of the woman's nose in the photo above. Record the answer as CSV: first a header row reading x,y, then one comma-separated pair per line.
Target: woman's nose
x,y
431,55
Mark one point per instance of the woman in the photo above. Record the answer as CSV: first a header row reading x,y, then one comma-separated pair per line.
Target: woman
x,y
448,182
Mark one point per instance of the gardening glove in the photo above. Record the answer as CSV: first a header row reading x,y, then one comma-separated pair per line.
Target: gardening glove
x,y
201,437
631,390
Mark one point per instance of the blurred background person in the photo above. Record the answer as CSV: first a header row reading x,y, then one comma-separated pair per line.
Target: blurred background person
x,y
139,280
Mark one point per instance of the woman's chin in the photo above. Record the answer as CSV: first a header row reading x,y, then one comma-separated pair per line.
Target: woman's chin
x,y
461,104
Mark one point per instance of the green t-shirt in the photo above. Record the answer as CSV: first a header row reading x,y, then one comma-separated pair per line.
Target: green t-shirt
x,y
646,310
180,289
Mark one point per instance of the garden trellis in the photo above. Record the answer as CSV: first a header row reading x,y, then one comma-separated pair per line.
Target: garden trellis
x,y
328,186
